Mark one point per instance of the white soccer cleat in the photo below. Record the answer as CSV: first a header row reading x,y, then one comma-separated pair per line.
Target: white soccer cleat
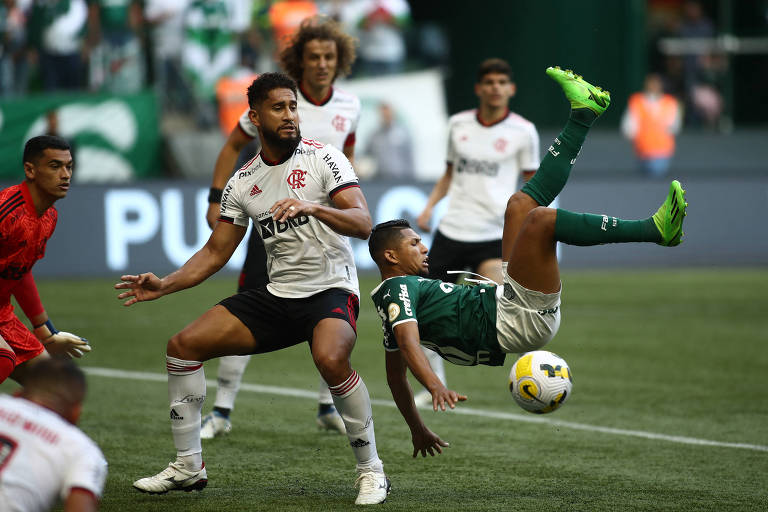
x,y
214,425
374,487
173,478
423,399
331,421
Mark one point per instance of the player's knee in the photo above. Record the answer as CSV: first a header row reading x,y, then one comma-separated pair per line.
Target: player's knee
x,y
333,366
182,346
519,205
540,220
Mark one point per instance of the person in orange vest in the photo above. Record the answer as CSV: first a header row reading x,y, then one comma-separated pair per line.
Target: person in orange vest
x,y
651,121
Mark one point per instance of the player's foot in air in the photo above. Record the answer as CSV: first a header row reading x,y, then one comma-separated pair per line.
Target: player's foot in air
x,y
579,92
669,217
173,478
215,424
374,487
330,420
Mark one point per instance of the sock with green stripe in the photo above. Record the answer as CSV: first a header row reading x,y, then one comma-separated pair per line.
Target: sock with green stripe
x,y
590,229
556,165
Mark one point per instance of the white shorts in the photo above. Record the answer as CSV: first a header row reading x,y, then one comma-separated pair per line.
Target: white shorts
x,y
525,319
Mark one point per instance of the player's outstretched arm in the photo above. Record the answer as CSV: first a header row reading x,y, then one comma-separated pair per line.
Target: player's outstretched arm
x,y
407,336
204,263
439,191
350,217
424,440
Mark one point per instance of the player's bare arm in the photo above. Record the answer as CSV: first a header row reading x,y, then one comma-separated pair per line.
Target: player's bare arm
x,y
81,500
204,263
439,191
350,217
349,152
424,440
222,170
407,337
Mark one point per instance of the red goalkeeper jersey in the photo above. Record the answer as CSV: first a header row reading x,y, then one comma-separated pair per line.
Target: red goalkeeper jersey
x,y
23,236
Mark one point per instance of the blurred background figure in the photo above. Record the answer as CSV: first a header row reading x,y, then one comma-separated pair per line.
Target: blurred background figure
x,y
13,61
381,27
116,62
651,121
165,19
284,17
390,147
44,455
55,37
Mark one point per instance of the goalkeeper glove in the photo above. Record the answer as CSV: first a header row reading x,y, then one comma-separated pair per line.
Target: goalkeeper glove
x,y
61,343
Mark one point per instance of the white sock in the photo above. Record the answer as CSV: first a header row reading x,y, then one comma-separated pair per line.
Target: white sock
x,y
324,394
436,363
186,394
354,405
231,369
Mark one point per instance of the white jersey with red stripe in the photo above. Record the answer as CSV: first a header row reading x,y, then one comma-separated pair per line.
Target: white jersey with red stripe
x,y
331,121
43,457
487,161
304,256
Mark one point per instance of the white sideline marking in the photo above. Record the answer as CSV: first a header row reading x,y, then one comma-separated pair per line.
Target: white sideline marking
x,y
302,393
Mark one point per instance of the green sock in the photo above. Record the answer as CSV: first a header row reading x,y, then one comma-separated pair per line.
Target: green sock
x,y
555,167
590,229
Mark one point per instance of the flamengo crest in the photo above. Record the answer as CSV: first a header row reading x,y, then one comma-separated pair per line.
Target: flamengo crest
x,y
296,179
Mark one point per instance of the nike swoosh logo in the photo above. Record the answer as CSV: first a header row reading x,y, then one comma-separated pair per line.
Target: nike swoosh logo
x,y
597,99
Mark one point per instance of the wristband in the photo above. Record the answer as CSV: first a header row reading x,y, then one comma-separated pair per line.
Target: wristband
x,y
49,325
214,195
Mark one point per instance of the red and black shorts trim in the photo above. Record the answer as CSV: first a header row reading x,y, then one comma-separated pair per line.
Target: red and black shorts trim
x,y
278,322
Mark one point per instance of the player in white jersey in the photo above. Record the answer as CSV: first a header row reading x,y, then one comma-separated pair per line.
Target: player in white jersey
x,y
488,148
319,53
44,457
304,200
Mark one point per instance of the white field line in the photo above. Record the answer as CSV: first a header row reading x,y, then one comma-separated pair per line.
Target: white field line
x,y
302,393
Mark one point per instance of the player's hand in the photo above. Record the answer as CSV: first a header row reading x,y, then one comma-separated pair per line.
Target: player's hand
x,y
212,215
445,396
290,208
426,441
140,288
423,219
66,344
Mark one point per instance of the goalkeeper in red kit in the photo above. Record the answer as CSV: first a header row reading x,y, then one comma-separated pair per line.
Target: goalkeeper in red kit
x,y
27,221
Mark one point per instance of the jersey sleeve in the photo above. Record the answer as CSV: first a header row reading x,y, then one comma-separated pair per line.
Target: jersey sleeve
x,y
26,294
529,154
336,171
232,210
247,126
86,469
351,136
395,303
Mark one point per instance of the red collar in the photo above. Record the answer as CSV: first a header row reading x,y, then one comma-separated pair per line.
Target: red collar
x,y
313,101
497,121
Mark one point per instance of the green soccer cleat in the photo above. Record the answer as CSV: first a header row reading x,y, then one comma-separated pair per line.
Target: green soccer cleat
x,y
669,217
579,92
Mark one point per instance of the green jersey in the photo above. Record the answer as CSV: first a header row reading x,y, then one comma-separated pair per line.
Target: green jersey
x,y
456,321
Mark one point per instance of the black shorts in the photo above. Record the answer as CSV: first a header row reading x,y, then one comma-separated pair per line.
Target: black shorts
x,y
448,254
254,273
277,322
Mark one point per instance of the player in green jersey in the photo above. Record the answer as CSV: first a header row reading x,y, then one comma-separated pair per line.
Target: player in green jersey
x,y
471,325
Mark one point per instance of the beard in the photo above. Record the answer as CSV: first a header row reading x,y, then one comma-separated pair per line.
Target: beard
x,y
281,144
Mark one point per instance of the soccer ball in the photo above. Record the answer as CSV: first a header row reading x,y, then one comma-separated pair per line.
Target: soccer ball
x,y
540,381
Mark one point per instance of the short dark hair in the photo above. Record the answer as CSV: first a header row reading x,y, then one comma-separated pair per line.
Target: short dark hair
x,y
493,65
259,90
324,29
56,378
35,146
384,236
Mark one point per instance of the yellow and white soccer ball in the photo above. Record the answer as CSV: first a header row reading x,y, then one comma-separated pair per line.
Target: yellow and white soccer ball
x,y
540,381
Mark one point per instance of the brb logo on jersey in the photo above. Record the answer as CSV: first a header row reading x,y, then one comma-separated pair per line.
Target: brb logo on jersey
x,y
270,228
296,179
339,123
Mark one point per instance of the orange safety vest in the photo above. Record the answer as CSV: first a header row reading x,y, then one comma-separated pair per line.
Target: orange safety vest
x,y
285,18
654,120
232,96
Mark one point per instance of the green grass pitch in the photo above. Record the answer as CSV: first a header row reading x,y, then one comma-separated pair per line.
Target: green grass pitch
x,y
664,362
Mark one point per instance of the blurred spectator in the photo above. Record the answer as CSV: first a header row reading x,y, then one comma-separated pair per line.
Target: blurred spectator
x,y
651,121
210,51
166,19
285,16
13,59
390,146
114,47
381,25
232,98
55,42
